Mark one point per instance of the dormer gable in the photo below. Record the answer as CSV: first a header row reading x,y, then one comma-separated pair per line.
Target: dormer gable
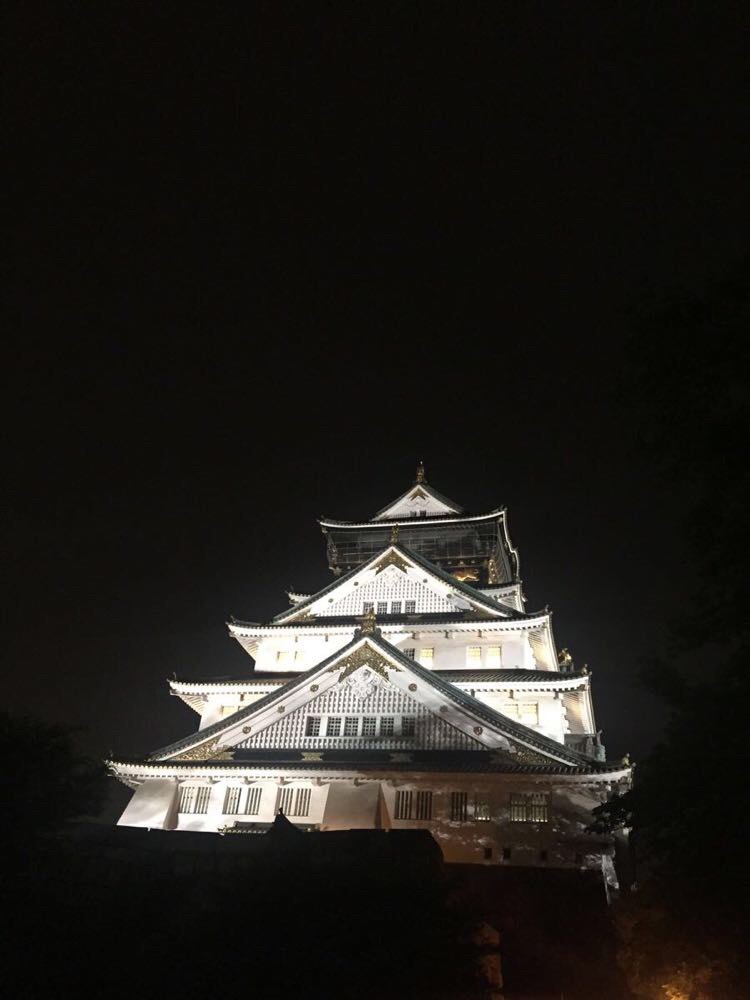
x,y
421,500
398,582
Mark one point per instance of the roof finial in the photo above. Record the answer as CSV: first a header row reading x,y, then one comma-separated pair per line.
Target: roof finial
x,y
420,473
368,622
394,534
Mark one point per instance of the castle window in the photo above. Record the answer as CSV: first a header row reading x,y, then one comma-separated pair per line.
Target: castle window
x,y
408,725
487,851
423,513
312,725
282,655
459,801
506,854
252,803
382,607
351,725
301,802
194,799
528,713
333,725
510,708
473,656
367,606
426,656
285,800
424,805
387,725
403,805
410,651
232,801
493,658
410,607
369,725
543,856
395,607
531,808
481,809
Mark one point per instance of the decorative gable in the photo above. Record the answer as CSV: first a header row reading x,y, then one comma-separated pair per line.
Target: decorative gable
x,y
391,583
420,501
363,711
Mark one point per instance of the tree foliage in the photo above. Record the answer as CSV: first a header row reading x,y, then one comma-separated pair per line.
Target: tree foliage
x,y
682,932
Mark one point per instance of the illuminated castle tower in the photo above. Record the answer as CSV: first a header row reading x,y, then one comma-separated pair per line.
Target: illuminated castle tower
x,y
412,691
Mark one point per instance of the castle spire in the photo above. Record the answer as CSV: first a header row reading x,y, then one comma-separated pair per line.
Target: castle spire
x,y
420,473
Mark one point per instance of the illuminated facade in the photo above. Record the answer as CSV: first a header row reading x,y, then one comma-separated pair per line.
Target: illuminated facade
x,y
413,691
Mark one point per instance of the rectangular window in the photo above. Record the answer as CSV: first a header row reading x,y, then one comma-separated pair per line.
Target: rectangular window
x,y
481,809
410,607
409,652
395,607
424,805
533,808
382,607
187,798
301,802
312,725
426,656
232,801
369,725
252,803
423,513
510,708
408,725
386,725
351,725
529,713
333,725
403,805
506,854
298,655
493,658
473,656
285,800
201,799
282,655
367,606
487,853
459,803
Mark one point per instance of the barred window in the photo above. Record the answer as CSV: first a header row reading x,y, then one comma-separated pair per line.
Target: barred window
x,y
403,805
367,606
252,803
493,658
481,809
187,798
301,802
459,802
333,725
202,796
510,708
285,800
395,607
413,806
424,805
282,655
426,656
409,651
387,725
410,607
232,801
382,607
351,725
408,725
530,808
312,725
369,725
473,656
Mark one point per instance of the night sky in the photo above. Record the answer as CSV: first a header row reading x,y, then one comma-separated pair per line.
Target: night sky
x,y
263,260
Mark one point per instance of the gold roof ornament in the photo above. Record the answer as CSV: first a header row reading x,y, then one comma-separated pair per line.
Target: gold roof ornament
x,y
394,534
369,622
564,659
420,473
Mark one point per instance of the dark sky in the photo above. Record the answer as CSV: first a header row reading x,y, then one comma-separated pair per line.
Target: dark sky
x,y
263,259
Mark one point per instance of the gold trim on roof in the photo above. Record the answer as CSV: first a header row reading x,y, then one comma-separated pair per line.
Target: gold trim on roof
x,y
391,559
365,656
